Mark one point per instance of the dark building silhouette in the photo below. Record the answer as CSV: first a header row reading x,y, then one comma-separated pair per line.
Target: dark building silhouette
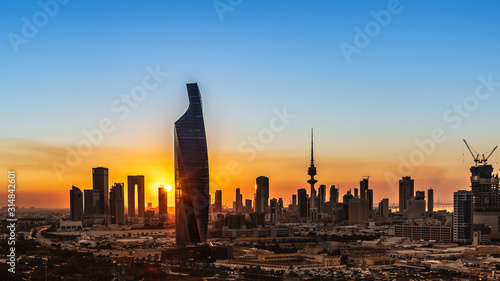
x,y
248,205
430,200
363,187
191,173
313,208
100,183
117,203
273,210
406,189
239,201
218,201
322,196
91,199
262,195
294,199
356,193
136,182
162,202
383,208
462,216
334,194
369,196
302,198
76,203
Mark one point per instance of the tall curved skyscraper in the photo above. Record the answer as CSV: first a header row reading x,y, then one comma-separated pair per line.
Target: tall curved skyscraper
x,y
191,173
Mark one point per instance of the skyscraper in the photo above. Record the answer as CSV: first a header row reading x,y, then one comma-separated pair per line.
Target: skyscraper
x,y
363,187
462,216
100,183
369,196
405,192
430,200
262,194
334,194
218,201
191,173
162,202
322,196
313,209
294,199
248,205
117,203
383,208
136,182
302,198
76,203
239,201
91,199
273,210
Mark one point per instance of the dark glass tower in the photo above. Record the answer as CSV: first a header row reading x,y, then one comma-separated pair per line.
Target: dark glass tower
x,y
100,182
191,173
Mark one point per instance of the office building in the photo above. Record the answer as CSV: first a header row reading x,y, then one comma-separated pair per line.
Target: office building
x,y
136,183
334,194
262,194
294,199
406,186
369,196
162,203
191,173
91,199
383,208
218,201
302,201
76,204
430,201
100,183
239,201
273,210
117,203
322,196
248,205
363,187
358,210
462,216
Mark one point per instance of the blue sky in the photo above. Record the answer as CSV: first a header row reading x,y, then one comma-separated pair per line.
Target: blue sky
x,y
262,55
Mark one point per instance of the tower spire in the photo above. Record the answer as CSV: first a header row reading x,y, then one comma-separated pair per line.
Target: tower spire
x,y
312,146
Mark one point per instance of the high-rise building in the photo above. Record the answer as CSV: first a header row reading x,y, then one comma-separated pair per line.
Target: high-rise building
x,y
239,201
406,186
430,200
273,210
136,182
313,209
280,205
486,198
416,206
76,203
383,208
262,194
334,194
302,201
191,173
248,205
218,201
91,199
294,199
462,216
117,203
322,196
356,193
363,187
100,183
369,196
163,202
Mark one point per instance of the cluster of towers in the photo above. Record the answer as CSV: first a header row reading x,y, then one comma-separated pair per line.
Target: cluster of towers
x,y
103,205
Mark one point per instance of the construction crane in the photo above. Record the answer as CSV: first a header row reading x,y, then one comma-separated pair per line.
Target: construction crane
x,y
476,157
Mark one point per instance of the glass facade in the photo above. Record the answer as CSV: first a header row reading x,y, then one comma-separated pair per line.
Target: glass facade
x,y
191,173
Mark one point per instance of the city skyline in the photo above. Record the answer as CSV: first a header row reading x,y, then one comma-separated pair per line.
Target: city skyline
x,y
410,83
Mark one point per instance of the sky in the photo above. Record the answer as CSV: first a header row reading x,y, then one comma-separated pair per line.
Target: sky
x,y
390,87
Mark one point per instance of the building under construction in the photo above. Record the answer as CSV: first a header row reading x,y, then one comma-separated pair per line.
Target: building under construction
x,y
486,196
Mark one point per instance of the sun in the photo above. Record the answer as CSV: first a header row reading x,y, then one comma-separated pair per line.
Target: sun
x,y
168,187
